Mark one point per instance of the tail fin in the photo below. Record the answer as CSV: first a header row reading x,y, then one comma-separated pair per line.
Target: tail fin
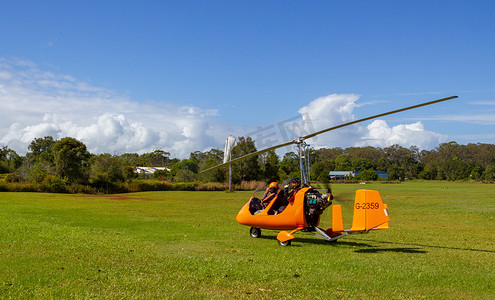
x,y
369,211
337,222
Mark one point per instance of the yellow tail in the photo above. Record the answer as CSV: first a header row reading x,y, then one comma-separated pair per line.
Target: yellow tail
x,y
369,213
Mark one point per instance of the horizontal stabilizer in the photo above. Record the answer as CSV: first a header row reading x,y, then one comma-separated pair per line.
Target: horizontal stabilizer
x,y
384,225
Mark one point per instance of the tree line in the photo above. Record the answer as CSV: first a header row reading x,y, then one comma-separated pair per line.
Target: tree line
x,y
54,165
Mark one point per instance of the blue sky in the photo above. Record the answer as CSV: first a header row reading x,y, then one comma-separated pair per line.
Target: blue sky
x,y
134,76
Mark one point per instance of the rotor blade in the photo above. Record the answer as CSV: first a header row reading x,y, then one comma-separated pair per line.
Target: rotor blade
x,y
376,116
249,155
299,140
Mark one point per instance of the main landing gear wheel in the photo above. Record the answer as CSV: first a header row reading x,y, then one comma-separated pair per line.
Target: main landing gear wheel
x,y
255,232
284,244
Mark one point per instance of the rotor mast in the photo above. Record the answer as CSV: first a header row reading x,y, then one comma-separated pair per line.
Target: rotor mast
x,y
303,152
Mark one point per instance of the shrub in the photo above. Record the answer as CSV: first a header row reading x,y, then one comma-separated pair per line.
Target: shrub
x,y
186,186
2,177
13,177
18,187
81,189
213,186
251,185
4,187
54,184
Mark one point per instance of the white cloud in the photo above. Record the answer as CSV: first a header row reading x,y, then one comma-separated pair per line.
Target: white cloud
x,y
479,118
34,103
381,135
329,111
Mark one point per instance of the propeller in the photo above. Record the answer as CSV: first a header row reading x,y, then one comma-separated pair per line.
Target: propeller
x,y
301,139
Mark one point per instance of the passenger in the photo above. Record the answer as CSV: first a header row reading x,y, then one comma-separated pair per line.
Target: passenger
x,y
270,193
295,186
283,198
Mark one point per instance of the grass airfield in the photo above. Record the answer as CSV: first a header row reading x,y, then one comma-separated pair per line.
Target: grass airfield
x,y
441,245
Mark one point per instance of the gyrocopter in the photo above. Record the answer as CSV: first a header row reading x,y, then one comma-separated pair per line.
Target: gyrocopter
x,y
301,208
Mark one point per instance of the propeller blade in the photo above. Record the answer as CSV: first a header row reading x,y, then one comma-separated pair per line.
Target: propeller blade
x,y
329,192
299,140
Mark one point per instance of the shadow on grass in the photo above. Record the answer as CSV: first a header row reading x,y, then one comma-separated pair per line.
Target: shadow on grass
x,y
397,250
366,245
317,241
430,246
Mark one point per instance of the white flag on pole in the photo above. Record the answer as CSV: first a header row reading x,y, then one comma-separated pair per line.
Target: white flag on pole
x,y
229,144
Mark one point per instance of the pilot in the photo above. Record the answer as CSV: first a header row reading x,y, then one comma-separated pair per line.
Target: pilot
x,y
279,200
295,186
256,205
270,193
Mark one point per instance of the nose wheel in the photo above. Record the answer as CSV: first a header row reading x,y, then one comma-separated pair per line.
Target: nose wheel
x,y
284,244
255,232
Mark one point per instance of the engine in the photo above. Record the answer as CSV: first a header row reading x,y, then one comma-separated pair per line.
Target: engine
x,y
315,203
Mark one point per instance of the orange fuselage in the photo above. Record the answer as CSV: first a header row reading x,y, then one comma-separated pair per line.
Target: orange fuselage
x,y
291,218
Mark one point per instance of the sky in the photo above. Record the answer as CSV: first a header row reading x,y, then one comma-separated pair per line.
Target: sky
x,y
180,76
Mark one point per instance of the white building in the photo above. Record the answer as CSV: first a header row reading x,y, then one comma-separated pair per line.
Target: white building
x,y
149,170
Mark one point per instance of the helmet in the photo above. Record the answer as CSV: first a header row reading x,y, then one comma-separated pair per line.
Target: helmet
x,y
296,180
273,185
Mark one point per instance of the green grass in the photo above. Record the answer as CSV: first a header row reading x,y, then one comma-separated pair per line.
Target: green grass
x,y
440,245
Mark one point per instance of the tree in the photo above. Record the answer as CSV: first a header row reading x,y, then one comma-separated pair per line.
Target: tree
x,y
185,170
184,175
207,160
426,174
39,161
157,158
369,153
71,160
249,168
131,159
162,175
105,167
361,164
476,173
326,154
367,175
9,160
396,154
269,163
343,163
289,164
213,154
457,169
489,173
321,169
41,149
396,173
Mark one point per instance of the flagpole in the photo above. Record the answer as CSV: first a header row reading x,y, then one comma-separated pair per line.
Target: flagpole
x,y
230,177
